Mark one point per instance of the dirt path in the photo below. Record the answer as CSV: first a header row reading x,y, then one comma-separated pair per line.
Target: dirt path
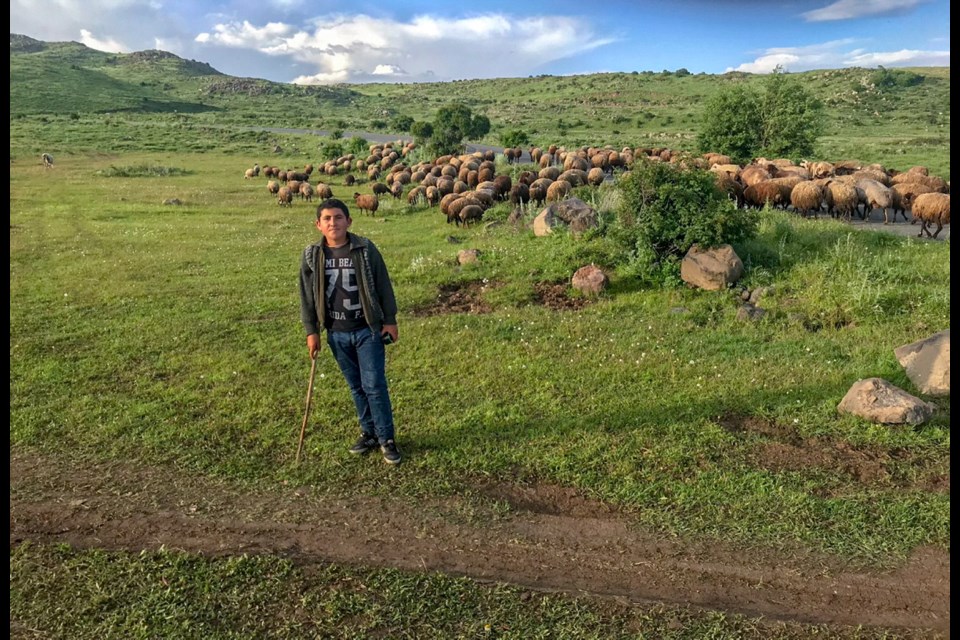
x,y
556,541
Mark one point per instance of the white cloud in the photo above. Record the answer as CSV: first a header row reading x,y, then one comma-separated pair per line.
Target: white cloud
x,y
848,9
109,44
362,48
902,58
835,54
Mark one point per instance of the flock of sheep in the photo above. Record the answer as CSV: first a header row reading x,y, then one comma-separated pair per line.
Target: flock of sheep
x,y
464,186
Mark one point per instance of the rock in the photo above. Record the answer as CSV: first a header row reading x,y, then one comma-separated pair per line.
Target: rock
x,y
713,269
748,312
468,256
927,363
590,280
879,401
572,212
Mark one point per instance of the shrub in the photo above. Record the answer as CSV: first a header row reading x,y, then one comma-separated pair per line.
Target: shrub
x,y
665,209
331,150
357,145
514,138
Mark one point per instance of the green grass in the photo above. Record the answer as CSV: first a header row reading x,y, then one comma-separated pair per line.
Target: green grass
x,y
56,591
170,334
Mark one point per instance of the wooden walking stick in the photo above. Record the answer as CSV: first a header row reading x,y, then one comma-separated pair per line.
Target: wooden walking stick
x,y
306,414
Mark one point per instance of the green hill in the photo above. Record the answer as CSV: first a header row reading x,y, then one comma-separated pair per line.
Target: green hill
x,y
896,117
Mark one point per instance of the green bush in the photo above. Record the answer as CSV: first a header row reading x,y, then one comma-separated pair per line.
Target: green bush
x,y
331,150
357,145
514,138
664,210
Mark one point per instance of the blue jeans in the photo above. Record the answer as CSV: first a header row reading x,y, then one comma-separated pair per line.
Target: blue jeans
x,y
362,360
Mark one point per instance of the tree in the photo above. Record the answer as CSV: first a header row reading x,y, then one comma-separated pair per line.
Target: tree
x,y
452,124
792,117
514,138
784,120
402,123
421,131
731,124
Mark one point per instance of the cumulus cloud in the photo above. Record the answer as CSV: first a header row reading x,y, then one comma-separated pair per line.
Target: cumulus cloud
x,y
362,48
849,9
100,44
837,54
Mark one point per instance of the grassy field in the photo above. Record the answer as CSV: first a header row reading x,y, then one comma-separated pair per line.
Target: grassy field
x,y
169,336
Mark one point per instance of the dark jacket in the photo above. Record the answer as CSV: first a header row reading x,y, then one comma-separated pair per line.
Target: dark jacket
x,y
376,291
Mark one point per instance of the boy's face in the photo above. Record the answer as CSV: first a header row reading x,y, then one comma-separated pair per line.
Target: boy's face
x,y
333,224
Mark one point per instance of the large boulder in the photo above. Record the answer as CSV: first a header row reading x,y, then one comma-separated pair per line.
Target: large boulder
x,y
713,269
927,363
572,212
879,401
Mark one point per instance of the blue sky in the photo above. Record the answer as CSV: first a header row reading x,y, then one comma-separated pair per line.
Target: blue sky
x,y
325,41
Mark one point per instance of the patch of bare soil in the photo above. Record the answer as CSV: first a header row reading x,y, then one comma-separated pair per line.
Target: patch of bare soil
x,y
459,298
781,448
554,541
553,295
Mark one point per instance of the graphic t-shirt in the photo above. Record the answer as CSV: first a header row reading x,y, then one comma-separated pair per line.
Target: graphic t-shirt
x,y
344,311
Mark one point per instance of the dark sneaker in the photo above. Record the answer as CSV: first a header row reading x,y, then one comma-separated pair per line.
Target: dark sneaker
x,y
365,444
390,452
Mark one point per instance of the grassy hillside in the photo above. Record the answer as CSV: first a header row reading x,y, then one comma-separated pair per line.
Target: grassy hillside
x,y
79,90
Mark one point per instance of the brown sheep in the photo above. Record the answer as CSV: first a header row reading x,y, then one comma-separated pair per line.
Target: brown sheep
x,y
520,194
904,193
249,173
841,198
47,160
366,202
595,177
558,190
417,195
471,213
807,197
273,187
323,191
453,209
396,190
932,208
762,194
349,180
379,189
306,191
285,197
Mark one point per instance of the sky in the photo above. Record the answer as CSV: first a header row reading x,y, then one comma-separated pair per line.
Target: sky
x,y
331,41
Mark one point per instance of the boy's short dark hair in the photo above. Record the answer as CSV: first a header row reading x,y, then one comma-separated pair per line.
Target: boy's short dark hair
x,y
333,203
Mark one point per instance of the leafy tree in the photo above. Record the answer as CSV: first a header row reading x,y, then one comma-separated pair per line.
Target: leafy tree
x,y
792,117
514,138
783,120
731,124
421,131
665,209
402,123
452,124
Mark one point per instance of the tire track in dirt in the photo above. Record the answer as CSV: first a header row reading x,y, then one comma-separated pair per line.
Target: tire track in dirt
x,y
589,550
